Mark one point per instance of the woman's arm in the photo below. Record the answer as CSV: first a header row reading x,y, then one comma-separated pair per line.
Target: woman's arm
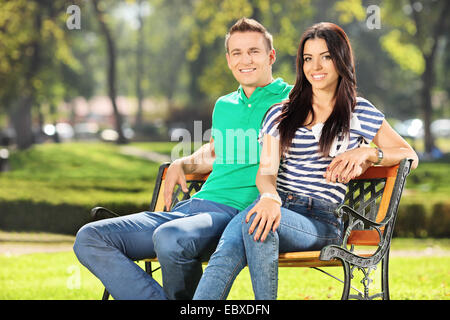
x,y
267,210
353,163
394,147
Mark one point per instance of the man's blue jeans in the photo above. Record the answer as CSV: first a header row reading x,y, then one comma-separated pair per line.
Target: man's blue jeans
x,y
181,239
306,224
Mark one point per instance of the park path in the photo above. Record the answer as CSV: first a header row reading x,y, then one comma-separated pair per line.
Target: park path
x,y
145,154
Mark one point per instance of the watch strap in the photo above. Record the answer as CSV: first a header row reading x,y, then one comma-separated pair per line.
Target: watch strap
x,y
380,156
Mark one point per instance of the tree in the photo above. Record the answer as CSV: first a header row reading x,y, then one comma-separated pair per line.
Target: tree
x,y
412,33
139,64
111,50
33,47
418,29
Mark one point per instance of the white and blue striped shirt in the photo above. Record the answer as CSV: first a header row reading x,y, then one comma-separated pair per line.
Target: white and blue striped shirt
x,y
301,170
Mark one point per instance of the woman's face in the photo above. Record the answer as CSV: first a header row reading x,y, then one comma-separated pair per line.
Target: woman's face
x,y
318,66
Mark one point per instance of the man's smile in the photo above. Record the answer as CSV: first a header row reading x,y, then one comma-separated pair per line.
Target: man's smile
x,y
247,70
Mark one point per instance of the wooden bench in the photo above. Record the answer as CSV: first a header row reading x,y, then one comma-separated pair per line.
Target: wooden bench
x,y
369,212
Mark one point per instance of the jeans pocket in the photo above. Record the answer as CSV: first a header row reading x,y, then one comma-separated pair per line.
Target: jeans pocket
x,y
331,223
326,217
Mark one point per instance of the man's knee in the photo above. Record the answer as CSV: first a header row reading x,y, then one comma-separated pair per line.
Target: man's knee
x,y
86,237
171,243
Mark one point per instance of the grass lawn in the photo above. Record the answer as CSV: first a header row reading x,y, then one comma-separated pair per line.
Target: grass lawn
x,y
78,173
59,276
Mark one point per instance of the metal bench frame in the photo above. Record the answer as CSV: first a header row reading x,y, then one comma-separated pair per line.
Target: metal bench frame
x,y
369,212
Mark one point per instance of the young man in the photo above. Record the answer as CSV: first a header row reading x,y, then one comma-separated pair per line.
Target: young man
x,y
188,235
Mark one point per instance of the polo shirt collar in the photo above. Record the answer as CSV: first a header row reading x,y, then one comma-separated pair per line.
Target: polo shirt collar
x,y
276,86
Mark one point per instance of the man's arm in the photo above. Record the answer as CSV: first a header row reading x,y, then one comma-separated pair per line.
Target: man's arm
x,y
200,161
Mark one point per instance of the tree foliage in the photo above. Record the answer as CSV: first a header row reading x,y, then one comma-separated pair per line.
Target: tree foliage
x,y
174,51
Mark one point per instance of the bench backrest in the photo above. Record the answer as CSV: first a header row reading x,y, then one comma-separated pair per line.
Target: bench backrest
x,y
375,195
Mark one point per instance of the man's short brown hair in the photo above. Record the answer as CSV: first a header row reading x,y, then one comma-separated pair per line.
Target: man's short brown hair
x,y
250,25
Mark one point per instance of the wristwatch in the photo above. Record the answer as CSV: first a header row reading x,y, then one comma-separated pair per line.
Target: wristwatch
x,y
380,156
272,196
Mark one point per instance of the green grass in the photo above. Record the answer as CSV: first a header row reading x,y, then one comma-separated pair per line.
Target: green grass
x,y
59,276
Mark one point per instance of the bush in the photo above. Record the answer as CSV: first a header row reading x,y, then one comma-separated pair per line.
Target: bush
x,y
411,221
439,225
54,218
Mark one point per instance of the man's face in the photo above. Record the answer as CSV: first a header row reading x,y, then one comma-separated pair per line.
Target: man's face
x,y
250,60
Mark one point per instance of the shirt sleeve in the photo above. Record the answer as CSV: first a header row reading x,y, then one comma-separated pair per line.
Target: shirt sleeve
x,y
270,122
370,119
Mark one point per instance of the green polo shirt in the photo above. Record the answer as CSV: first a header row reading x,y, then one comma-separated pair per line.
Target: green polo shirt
x,y
236,121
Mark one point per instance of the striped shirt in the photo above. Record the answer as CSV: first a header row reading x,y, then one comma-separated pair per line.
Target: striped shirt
x,y
302,168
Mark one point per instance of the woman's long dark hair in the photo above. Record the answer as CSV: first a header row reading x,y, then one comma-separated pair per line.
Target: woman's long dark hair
x,y
299,106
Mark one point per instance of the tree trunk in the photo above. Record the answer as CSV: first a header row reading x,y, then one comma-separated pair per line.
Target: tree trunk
x,y
427,85
139,69
111,50
20,115
428,76
21,121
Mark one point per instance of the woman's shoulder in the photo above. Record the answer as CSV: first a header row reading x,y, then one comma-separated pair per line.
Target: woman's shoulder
x,y
365,107
274,111
277,107
363,102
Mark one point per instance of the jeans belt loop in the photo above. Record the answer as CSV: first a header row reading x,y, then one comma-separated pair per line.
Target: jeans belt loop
x,y
310,203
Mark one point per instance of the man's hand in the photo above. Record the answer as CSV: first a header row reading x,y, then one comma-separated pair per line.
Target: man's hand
x,y
174,175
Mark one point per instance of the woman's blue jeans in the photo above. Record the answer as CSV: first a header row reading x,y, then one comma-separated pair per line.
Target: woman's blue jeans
x,y
306,224
181,239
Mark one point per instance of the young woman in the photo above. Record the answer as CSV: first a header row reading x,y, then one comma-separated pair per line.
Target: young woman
x,y
313,144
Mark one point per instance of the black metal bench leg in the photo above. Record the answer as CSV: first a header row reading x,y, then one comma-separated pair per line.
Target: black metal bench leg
x,y
148,268
347,280
105,295
385,276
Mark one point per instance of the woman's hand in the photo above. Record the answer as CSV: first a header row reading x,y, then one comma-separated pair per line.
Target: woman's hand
x,y
268,215
349,165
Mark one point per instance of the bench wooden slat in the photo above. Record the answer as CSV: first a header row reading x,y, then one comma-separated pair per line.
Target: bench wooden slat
x,y
298,259
363,238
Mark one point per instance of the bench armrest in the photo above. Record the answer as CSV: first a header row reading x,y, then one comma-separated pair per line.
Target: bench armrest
x,y
99,213
349,211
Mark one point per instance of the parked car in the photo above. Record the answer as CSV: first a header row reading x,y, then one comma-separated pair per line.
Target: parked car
x,y
411,128
86,130
63,129
440,128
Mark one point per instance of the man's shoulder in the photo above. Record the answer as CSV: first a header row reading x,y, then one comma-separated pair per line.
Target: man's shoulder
x,y
232,97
